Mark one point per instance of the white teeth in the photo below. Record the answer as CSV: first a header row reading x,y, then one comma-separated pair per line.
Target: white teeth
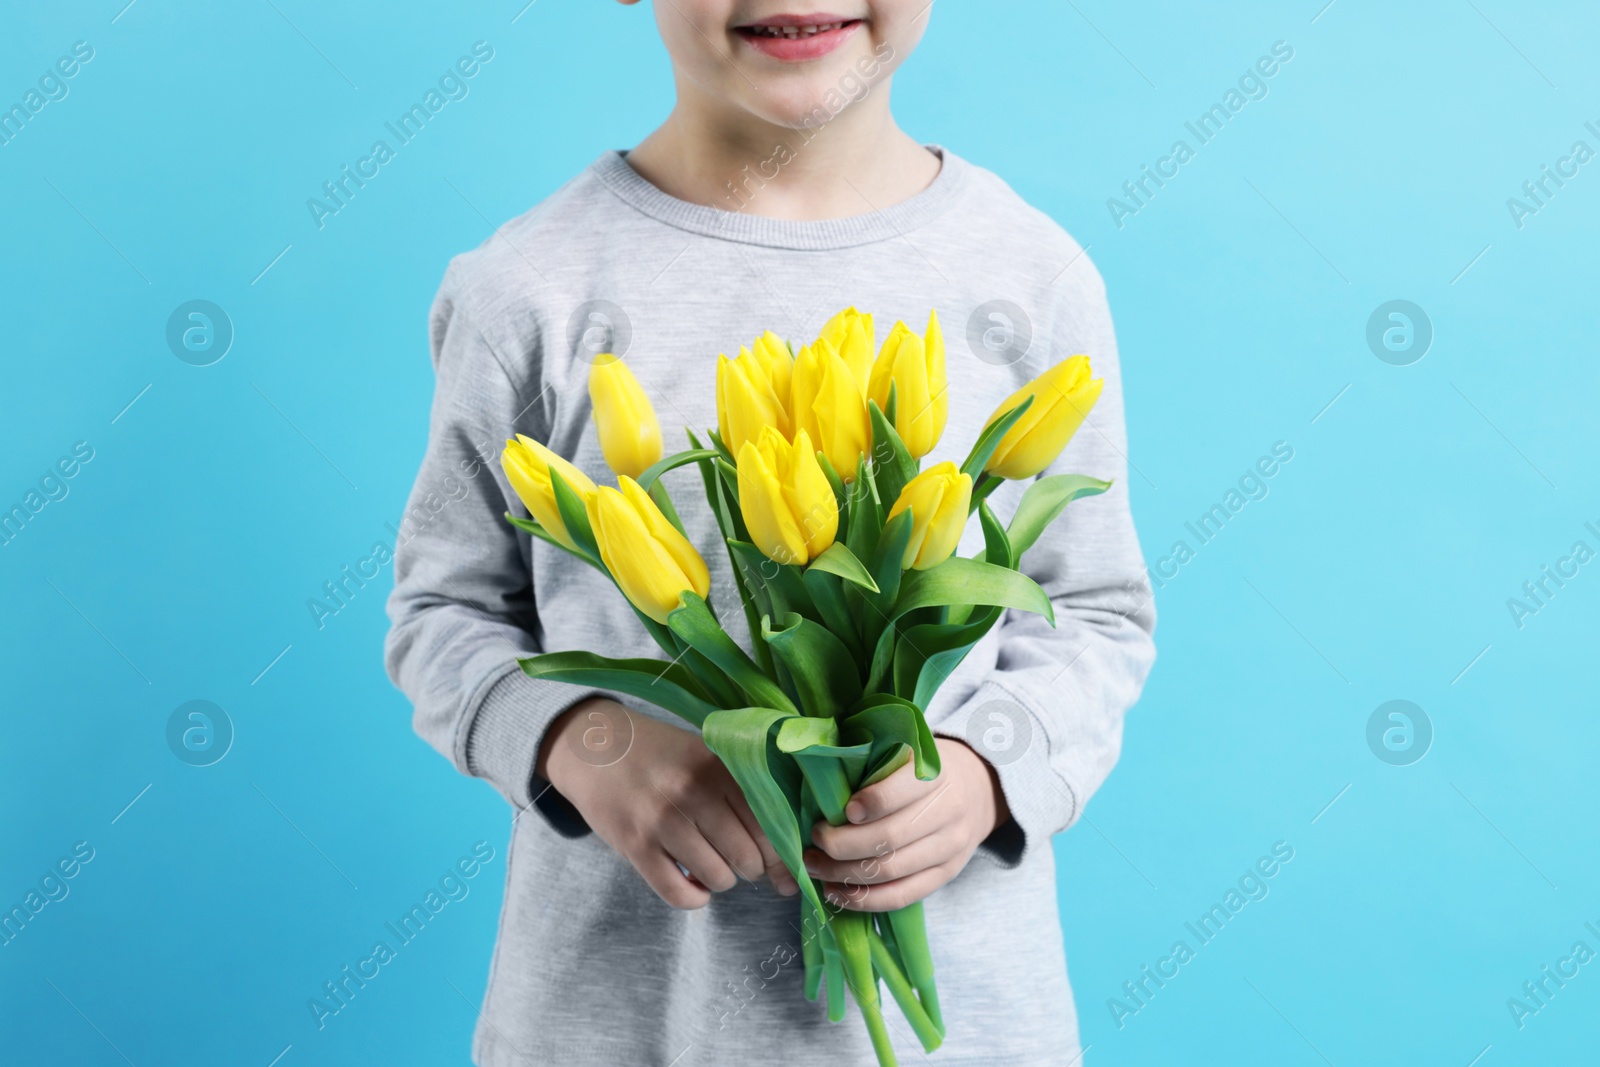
x,y
794,33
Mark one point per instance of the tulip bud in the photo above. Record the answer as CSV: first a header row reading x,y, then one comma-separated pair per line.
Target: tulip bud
x,y
1062,397
527,464
829,407
851,334
939,498
630,436
652,562
915,366
775,358
785,498
749,395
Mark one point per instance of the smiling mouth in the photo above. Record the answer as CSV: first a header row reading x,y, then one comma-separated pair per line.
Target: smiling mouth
x,y
795,33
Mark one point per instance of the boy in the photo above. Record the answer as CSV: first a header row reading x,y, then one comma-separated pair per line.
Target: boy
x,y
645,917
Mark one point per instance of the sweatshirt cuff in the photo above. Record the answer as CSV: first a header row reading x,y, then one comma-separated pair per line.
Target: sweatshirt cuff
x,y
504,738
1010,737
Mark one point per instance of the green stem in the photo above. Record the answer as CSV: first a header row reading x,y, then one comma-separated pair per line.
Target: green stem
x,y
910,931
853,932
883,961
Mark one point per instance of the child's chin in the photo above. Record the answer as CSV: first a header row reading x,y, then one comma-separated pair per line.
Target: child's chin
x,y
803,101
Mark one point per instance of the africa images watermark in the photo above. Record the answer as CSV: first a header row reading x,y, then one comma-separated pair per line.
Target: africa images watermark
x,y
338,192
1252,886
1538,192
453,886
1538,592
1252,485
1252,85
1537,993
51,87
338,592
853,87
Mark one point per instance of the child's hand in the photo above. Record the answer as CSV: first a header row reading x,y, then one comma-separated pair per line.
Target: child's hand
x,y
667,801
905,837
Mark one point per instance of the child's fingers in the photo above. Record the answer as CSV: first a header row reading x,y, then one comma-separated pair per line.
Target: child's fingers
x,y
888,796
685,843
919,855
876,838
890,895
727,833
660,872
777,873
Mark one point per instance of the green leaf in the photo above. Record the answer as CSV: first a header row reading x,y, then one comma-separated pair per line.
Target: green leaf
x,y
663,500
889,724
673,462
834,481
742,739
529,526
830,769
892,465
985,485
882,660
827,594
996,550
989,440
925,656
716,442
1044,501
888,562
825,674
574,516
693,622
730,480
968,581
780,581
996,542
865,514
666,685
838,559
752,601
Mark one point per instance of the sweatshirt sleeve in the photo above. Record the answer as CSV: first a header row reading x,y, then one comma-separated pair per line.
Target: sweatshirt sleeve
x,y
1048,717
463,609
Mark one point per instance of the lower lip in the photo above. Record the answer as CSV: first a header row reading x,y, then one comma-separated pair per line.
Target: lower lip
x,y
800,49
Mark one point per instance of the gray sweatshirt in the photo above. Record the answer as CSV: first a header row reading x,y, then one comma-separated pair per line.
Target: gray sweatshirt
x,y
590,967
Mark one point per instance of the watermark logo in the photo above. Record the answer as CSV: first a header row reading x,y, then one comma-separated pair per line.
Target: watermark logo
x,y
1000,731
1399,733
199,733
1399,332
598,328
606,737
999,332
199,332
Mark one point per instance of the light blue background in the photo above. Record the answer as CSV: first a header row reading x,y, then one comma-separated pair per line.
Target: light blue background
x,y
1379,566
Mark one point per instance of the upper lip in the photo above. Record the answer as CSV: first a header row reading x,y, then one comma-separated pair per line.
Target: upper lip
x,y
821,19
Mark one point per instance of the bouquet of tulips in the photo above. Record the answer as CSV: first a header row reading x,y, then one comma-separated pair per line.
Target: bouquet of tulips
x,y
842,551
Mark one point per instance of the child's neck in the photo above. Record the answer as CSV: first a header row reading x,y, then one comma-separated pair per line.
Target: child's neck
x,y
861,161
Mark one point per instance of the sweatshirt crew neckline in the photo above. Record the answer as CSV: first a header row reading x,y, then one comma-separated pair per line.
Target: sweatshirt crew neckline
x,y
618,175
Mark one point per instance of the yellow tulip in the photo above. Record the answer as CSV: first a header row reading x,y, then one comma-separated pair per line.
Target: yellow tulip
x,y
1062,397
851,334
630,436
776,359
748,393
829,407
527,464
786,500
939,498
915,366
652,562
